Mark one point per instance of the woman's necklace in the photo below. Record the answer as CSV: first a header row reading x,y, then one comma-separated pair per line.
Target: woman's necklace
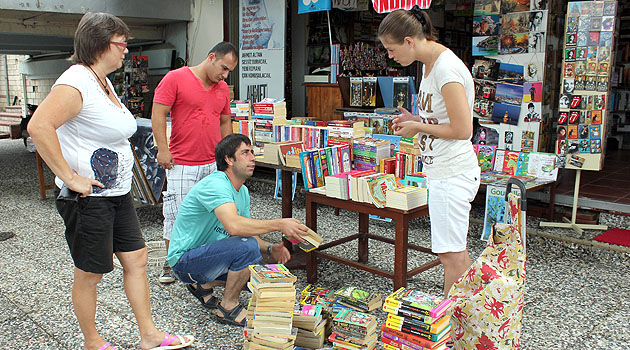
x,y
99,80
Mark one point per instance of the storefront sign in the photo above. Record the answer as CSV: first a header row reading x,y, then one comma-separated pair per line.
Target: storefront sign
x,y
261,51
306,6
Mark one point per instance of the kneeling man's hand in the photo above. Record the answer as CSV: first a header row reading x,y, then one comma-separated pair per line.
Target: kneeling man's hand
x,y
280,253
294,229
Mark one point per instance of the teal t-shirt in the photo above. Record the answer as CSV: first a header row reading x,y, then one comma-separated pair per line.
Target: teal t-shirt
x,y
196,223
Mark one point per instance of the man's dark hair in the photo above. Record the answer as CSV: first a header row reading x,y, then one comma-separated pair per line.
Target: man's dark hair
x,y
530,105
93,34
227,148
223,48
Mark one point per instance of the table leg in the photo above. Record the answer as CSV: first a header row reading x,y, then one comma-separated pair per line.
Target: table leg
x,y
552,202
400,251
287,203
40,175
364,222
311,260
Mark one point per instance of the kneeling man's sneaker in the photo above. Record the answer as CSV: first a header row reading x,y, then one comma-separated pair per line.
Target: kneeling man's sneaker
x,y
167,275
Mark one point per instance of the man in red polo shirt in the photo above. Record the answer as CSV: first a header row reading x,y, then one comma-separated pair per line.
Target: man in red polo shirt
x,y
198,99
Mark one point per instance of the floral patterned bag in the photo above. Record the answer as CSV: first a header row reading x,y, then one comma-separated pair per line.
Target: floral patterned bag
x,y
489,297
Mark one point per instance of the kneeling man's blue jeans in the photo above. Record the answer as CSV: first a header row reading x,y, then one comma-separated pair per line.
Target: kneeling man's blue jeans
x,y
210,261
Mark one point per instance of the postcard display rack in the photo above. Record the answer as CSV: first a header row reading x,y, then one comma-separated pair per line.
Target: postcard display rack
x,y
509,41
583,105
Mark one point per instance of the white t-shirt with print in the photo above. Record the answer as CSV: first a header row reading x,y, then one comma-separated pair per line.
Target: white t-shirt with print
x,y
95,142
444,158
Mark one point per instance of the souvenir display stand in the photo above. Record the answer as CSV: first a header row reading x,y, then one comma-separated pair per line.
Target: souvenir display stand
x,y
582,119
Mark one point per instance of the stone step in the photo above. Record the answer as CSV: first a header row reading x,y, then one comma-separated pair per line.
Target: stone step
x,y
11,115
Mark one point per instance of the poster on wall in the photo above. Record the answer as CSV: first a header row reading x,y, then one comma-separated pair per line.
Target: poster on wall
x,y
261,44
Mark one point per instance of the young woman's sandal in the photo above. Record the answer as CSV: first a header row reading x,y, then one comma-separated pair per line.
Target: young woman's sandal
x,y
107,345
167,343
200,293
229,316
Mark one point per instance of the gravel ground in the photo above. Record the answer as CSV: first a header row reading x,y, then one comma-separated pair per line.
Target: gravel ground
x,y
577,296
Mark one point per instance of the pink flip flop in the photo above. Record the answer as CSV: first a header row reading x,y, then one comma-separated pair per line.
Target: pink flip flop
x,y
168,340
106,345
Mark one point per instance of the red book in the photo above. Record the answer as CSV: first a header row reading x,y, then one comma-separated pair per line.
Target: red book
x,y
412,338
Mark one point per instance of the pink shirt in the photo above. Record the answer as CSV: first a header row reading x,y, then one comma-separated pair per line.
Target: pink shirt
x,y
195,115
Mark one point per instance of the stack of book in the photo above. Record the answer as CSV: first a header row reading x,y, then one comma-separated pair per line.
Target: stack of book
x,y
239,110
416,320
325,297
354,330
270,108
337,186
406,197
344,132
368,153
310,321
270,309
358,299
409,145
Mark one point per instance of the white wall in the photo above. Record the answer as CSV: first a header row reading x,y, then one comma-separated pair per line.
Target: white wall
x,y
206,29
36,90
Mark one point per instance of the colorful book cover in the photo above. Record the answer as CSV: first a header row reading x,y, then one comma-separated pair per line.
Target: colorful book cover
x,y
522,165
485,156
357,295
433,305
344,158
305,164
356,318
495,208
499,158
510,162
317,168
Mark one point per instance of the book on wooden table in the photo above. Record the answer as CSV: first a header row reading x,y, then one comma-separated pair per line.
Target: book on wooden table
x,y
510,162
499,158
377,189
406,197
485,156
419,301
290,148
353,187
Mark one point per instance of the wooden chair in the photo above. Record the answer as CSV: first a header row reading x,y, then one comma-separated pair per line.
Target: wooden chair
x,y
40,176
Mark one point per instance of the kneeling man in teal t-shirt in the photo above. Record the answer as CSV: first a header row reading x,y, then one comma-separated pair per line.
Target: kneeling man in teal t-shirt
x,y
214,239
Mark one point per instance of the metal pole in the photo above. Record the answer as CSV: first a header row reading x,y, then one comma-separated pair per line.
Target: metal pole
x,y
6,78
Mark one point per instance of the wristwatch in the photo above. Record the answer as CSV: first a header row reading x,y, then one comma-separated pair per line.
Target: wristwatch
x,y
269,250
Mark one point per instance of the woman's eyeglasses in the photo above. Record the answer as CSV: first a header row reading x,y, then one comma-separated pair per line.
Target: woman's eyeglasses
x,y
119,44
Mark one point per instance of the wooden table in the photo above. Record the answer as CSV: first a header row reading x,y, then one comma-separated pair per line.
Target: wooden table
x,y
400,242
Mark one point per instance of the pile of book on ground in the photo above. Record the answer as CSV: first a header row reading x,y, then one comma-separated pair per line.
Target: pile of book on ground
x,y
416,320
270,309
354,330
312,333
